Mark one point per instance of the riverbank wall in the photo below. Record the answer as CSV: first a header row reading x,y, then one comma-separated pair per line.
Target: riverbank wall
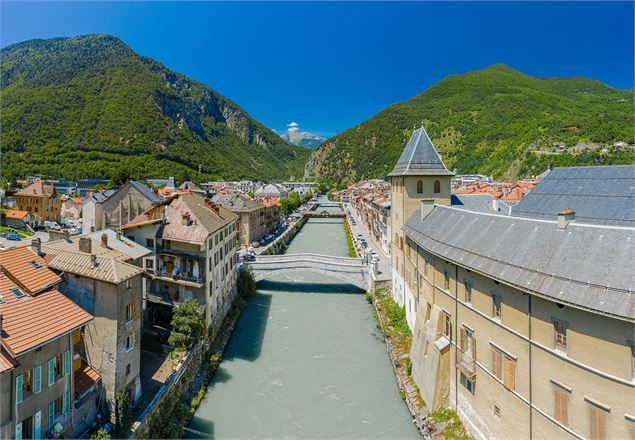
x,y
279,245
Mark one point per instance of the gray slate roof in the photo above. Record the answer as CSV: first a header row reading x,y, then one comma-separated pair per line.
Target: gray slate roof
x,y
598,195
588,266
237,203
120,243
146,191
420,158
479,203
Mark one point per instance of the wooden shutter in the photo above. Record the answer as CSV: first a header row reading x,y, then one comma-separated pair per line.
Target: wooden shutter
x,y
561,405
509,372
497,367
134,310
597,423
19,381
463,340
67,362
51,371
37,380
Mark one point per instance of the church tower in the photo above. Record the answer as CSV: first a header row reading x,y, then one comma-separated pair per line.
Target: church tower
x,y
419,175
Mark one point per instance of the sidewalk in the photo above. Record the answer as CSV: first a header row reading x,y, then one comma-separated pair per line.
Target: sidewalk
x,y
385,270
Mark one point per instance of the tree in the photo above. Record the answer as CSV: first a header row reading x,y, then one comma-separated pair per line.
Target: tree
x,y
100,435
120,176
124,419
251,194
188,324
246,284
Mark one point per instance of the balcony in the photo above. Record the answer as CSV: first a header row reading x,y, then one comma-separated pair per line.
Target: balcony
x,y
181,253
162,297
174,277
466,364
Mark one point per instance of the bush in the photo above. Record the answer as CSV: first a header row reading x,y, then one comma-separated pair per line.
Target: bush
x,y
407,364
124,418
246,284
100,435
188,324
196,400
369,297
396,317
216,358
349,240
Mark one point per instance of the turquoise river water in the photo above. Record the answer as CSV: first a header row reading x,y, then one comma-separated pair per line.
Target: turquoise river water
x,y
305,360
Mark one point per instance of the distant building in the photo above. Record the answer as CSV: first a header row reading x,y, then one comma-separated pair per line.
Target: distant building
x,y
272,190
252,225
114,208
83,185
41,201
16,219
72,208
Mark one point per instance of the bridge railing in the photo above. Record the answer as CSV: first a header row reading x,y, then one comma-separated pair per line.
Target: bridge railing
x,y
284,257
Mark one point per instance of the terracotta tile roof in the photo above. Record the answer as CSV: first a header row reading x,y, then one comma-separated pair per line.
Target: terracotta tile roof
x,y
11,213
19,264
37,189
30,321
85,377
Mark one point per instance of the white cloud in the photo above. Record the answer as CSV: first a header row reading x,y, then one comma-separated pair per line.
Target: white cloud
x,y
293,126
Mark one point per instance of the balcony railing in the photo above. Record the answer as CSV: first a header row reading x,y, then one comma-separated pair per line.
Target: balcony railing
x,y
181,253
466,363
187,277
163,297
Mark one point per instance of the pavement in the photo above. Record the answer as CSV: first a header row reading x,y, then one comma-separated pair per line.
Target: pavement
x,y
385,269
8,244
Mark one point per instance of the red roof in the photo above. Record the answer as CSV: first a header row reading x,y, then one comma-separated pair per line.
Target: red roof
x,y
30,321
20,264
19,215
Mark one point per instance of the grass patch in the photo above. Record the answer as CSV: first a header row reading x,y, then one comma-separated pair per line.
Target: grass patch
x,y
407,365
349,240
21,232
454,429
396,317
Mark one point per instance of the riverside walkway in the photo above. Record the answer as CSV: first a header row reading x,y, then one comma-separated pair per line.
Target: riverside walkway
x,y
355,271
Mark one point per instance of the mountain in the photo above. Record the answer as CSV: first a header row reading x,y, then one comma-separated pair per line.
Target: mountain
x,y
496,121
85,106
303,138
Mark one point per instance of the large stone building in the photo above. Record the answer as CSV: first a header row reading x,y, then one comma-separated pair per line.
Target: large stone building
x,y
523,323
194,243
252,225
41,201
102,280
113,208
47,386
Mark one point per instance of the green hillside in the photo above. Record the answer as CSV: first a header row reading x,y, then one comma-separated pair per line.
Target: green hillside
x,y
495,121
83,107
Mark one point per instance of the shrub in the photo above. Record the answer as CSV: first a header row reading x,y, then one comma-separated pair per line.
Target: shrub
x,y
396,316
100,435
188,324
246,284
407,364
196,400
215,358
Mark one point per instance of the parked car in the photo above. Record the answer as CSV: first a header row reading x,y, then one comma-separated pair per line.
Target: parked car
x,y
249,257
51,225
13,236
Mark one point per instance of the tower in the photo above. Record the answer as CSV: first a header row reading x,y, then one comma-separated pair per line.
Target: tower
x,y
419,174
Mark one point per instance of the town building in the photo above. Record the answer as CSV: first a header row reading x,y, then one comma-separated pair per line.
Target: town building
x,y
253,224
272,191
41,201
16,219
72,208
101,279
194,242
47,387
522,323
113,208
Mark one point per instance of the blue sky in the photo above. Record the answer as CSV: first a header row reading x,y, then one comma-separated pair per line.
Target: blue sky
x,y
329,66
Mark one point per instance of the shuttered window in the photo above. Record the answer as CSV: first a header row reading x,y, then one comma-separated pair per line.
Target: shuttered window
x,y
560,334
37,380
447,326
134,310
51,371
597,423
18,388
504,368
67,362
561,405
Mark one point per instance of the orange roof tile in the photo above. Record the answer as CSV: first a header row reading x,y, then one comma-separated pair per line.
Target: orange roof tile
x,y
7,361
30,321
20,263
11,213
85,377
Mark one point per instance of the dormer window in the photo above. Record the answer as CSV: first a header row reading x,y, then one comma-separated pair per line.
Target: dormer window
x,y
2,301
35,264
17,292
185,219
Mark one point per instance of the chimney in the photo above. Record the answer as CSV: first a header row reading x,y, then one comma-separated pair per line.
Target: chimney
x,y
119,236
93,260
496,205
85,245
566,216
185,219
104,240
36,245
426,207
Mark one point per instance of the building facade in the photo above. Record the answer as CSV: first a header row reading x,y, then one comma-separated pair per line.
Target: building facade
x,y
41,201
522,323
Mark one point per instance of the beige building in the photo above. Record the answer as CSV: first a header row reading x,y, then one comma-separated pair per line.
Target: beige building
x,y
253,224
194,243
41,201
523,323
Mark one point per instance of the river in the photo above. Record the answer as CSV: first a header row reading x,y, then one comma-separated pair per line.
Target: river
x,y
305,360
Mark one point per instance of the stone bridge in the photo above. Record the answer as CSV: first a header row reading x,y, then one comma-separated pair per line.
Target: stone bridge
x,y
324,214
355,271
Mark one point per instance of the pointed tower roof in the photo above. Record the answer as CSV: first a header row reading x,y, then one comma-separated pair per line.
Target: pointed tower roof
x,y
420,158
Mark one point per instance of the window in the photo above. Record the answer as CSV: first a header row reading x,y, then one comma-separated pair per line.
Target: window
x,y
468,291
149,263
67,362
447,326
150,243
17,292
437,187
446,280
19,388
597,423
26,428
55,410
129,342
561,404
496,306
419,186
128,284
560,334
35,264
469,385
428,311
67,402
504,368
37,379
127,369
466,343
129,312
